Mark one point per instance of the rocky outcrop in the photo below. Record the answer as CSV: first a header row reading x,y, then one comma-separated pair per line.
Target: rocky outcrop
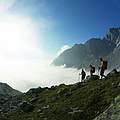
x,y
93,77
113,35
9,98
111,113
26,106
8,104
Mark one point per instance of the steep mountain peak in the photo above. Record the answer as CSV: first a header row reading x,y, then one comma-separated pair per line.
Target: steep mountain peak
x,y
114,29
113,35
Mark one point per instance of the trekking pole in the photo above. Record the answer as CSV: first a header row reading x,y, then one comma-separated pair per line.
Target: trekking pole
x,y
98,71
78,77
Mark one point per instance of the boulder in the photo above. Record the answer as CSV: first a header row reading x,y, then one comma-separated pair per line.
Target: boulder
x,y
75,110
93,77
62,91
33,100
46,107
26,106
65,92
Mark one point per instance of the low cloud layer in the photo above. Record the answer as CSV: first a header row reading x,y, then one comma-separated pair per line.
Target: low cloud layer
x,y
25,75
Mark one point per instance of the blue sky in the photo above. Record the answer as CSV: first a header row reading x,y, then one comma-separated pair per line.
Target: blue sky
x,y
70,21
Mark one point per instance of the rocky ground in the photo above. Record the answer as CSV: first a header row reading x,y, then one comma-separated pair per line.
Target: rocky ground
x,y
92,99
112,112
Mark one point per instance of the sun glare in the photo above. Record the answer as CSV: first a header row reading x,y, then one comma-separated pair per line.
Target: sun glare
x,y
17,36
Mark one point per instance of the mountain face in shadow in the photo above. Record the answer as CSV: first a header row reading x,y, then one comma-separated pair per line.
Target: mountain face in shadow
x,y
6,90
81,55
114,36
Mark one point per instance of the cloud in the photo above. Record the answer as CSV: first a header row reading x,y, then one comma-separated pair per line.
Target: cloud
x,y
18,38
6,4
25,75
65,47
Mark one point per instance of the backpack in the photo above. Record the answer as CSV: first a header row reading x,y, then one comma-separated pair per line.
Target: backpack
x,y
105,64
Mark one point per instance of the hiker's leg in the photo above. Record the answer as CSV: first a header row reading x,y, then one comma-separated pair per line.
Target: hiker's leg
x,y
101,73
91,73
100,77
82,78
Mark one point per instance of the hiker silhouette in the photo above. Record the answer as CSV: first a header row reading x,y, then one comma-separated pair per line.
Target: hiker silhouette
x,y
92,69
103,67
83,74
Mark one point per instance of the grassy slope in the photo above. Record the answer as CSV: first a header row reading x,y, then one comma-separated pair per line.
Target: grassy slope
x,y
91,97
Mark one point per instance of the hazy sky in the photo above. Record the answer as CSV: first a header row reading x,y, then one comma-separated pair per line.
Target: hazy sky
x,y
33,32
70,21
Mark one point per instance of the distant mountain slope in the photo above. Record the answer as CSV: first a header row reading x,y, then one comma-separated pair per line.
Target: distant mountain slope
x,y
81,55
6,90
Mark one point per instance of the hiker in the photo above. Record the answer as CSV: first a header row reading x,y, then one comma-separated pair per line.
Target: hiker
x,y
92,70
83,75
103,67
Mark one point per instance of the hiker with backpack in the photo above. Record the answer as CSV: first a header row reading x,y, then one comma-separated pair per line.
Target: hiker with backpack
x,y
83,74
92,69
103,67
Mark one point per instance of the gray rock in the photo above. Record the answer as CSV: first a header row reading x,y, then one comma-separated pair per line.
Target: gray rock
x,y
46,107
33,100
75,110
26,106
112,113
39,111
93,77
118,85
13,108
62,91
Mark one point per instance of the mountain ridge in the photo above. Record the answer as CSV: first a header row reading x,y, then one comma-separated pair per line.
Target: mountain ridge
x,y
6,90
81,55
